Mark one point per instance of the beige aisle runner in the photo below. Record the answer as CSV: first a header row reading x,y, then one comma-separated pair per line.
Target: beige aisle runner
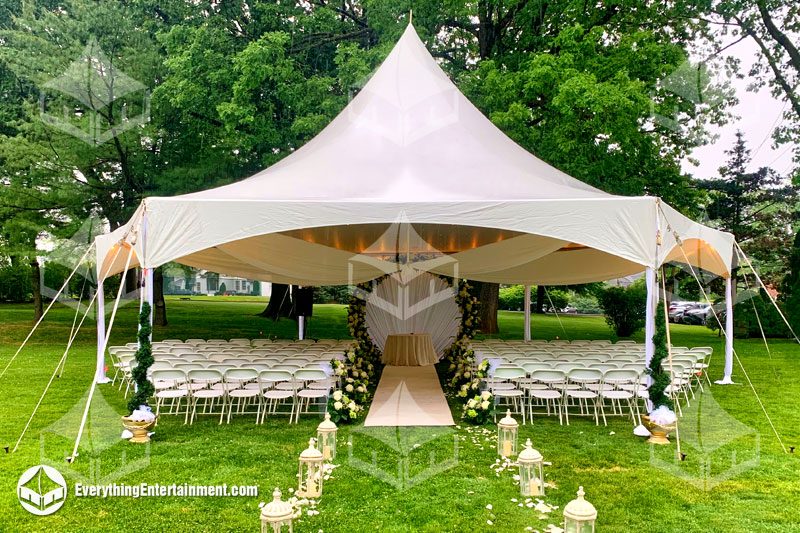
x,y
409,396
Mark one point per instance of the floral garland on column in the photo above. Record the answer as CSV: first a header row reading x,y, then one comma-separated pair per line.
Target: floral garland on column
x,y
360,370
463,377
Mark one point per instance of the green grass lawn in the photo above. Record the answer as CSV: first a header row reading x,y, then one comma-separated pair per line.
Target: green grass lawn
x,y
628,487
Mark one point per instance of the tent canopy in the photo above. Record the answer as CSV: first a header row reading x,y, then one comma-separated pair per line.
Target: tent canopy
x,y
411,171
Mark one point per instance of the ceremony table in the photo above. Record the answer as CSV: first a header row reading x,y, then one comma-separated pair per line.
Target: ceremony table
x,y
409,349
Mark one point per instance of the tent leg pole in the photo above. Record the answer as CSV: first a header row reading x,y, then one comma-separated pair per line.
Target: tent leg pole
x,y
726,380
100,373
300,323
149,295
527,312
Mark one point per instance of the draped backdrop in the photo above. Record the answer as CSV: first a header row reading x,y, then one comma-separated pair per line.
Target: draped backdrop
x,y
411,301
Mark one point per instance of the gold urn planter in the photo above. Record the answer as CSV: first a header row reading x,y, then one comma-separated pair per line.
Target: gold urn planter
x,y
658,433
140,429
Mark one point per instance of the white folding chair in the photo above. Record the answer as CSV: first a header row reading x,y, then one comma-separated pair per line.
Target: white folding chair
x,y
201,383
585,380
236,379
274,396
505,396
620,386
174,394
547,395
305,396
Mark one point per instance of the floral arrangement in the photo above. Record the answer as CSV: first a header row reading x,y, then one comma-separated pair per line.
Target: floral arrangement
x,y
358,373
480,408
356,322
459,354
467,378
343,408
464,378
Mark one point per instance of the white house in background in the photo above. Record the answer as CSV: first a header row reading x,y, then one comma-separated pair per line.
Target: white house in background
x,y
209,283
266,289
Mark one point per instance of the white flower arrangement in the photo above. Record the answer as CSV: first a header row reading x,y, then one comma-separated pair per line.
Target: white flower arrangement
x,y
342,408
480,408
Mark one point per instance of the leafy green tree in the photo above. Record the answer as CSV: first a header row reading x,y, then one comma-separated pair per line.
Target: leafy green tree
x,y
772,25
624,308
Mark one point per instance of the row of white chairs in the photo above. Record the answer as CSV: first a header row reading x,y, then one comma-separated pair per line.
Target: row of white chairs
x,y
258,391
517,385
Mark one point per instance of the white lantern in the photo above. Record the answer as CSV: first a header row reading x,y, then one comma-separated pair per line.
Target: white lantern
x,y
531,472
310,482
276,514
507,436
326,436
579,515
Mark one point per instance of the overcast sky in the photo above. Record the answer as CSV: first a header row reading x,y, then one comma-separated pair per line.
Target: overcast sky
x,y
758,114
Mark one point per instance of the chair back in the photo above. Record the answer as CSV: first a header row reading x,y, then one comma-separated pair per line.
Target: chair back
x,y
509,372
548,376
619,377
307,374
585,375
204,376
175,375
275,376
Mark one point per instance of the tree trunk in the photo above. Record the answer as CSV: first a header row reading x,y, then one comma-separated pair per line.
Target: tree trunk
x,y
37,290
488,296
539,310
280,303
131,281
160,306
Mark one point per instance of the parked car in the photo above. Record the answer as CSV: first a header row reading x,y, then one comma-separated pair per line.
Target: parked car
x,y
697,315
676,310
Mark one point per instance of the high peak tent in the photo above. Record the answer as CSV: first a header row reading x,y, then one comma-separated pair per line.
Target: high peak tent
x,y
411,165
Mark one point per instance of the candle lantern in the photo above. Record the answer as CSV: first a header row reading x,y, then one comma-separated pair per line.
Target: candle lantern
x,y
326,437
507,436
276,514
579,515
310,482
531,472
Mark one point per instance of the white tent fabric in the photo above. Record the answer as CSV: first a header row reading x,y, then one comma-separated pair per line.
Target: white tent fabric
x,y
410,301
410,155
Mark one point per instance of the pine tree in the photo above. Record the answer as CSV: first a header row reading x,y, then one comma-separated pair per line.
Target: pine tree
x,y
791,286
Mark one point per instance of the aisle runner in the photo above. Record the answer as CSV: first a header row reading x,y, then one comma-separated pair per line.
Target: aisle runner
x,y
409,396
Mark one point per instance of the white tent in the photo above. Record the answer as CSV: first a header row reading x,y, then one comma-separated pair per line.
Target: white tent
x,y
410,151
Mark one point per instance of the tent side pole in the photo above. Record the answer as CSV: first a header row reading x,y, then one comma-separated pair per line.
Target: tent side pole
x,y
149,296
650,312
100,373
527,307
726,379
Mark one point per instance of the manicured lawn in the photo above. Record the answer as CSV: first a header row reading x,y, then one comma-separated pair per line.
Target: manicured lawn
x,y
616,468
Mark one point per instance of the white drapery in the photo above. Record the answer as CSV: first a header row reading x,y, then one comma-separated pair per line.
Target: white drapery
x,y
411,301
